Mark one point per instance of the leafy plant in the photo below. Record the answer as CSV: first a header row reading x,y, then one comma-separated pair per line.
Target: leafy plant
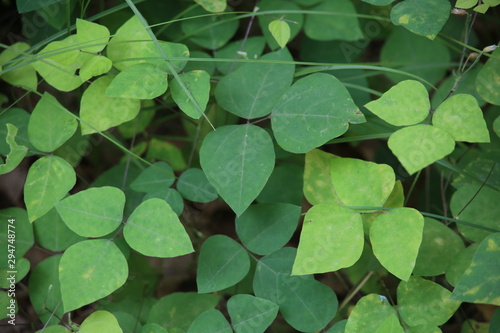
x,y
248,140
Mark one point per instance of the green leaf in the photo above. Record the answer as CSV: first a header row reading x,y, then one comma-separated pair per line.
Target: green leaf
x,y
422,17
20,119
238,160
396,237
92,36
419,146
132,45
331,239
100,321
467,86
496,126
440,245
416,55
166,151
21,268
209,32
49,180
251,314
57,64
423,302
284,185
379,2
99,112
53,234
197,82
214,6
424,329
51,124
94,212
45,290
373,183
210,321
154,230
23,233
23,76
157,177
480,282
171,196
95,66
152,328
406,103
16,154
318,186
252,90
390,325
482,209
369,314
176,312
250,48
280,31
483,8
279,5
487,81
265,228
342,25
313,111
462,118
222,263
90,270
141,81
460,263
194,186
466,4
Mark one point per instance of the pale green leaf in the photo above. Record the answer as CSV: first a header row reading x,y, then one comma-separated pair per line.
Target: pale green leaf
x,y
238,160
90,270
423,302
419,146
488,79
422,17
132,45
396,237
331,239
466,4
165,151
92,37
361,183
99,112
95,66
214,6
284,6
253,89
49,180
154,230
406,103
462,118
369,314
94,212
222,263
197,82
440,245
171,196
481,208
141,81
51,124
480,282
16,154
100,321
390,325
23,76
460,263
280,31
318,186
313,111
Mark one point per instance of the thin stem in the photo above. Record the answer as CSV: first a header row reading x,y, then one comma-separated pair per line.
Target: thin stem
x,y
412,187
355,290
478,190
